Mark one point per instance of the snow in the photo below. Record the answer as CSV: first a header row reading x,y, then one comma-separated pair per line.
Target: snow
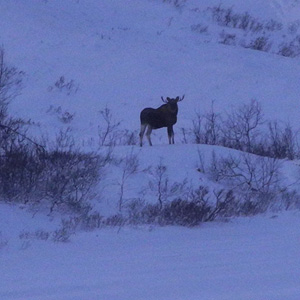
x,y
255,258
125,55
127,63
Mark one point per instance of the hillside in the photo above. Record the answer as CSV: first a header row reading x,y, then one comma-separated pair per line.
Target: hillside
x,y
127,63
89,68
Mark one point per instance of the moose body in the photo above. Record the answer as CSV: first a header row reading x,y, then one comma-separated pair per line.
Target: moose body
x,y
164,116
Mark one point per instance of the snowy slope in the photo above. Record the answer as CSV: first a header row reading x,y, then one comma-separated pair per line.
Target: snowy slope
x,y
125,55
127,63
244,260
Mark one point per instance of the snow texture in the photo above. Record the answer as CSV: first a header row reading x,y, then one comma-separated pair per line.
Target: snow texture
x,y
125,55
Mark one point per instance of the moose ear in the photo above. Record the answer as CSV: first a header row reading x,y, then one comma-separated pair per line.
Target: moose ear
x,y
168,99
177,98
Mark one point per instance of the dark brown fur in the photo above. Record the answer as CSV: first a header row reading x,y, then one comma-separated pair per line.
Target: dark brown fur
x,y
164,116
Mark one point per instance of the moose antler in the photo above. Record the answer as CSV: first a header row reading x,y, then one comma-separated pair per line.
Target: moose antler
x,y
180,99
165,101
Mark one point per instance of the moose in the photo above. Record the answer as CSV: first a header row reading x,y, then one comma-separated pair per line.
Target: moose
x,y
164,116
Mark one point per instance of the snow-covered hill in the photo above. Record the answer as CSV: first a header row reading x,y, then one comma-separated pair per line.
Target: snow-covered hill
x,y
81,57
126,55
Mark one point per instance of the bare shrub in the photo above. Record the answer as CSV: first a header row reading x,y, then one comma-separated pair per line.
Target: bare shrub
x,y
226,205
89,222
127,137
253,176
184,213
250,32
68,179
273,25
202,205
92,221
177,212
212,127
199,28
161,185
63,234
282,141
37,235
12,130
207,128
108,132
218,203
289,200
261,43
64,141
117,220
20,169
134,211
129,166
228,18
18,166
293,27
256,184
249,172
64,116
245,129
201,167
227,38
62,177
197,129
241,127
11,82
291,48
66,86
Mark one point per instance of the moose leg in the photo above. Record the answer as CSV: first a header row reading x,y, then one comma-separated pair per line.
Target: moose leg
x,y
171,134
143,128
148,133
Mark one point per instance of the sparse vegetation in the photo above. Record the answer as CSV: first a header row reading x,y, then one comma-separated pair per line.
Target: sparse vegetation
x,y
63,115
161,186
245,129
129,165
64,86
58,176
247,31
35,174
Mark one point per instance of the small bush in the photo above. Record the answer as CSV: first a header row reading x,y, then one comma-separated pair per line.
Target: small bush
x,y
93,221
185,213
227,39
63,85
250,32
289,200
116,220
204,206
245,129
228,18
61,178
291,48
64,116
68,178
261,43
37,235
62,235
199,28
